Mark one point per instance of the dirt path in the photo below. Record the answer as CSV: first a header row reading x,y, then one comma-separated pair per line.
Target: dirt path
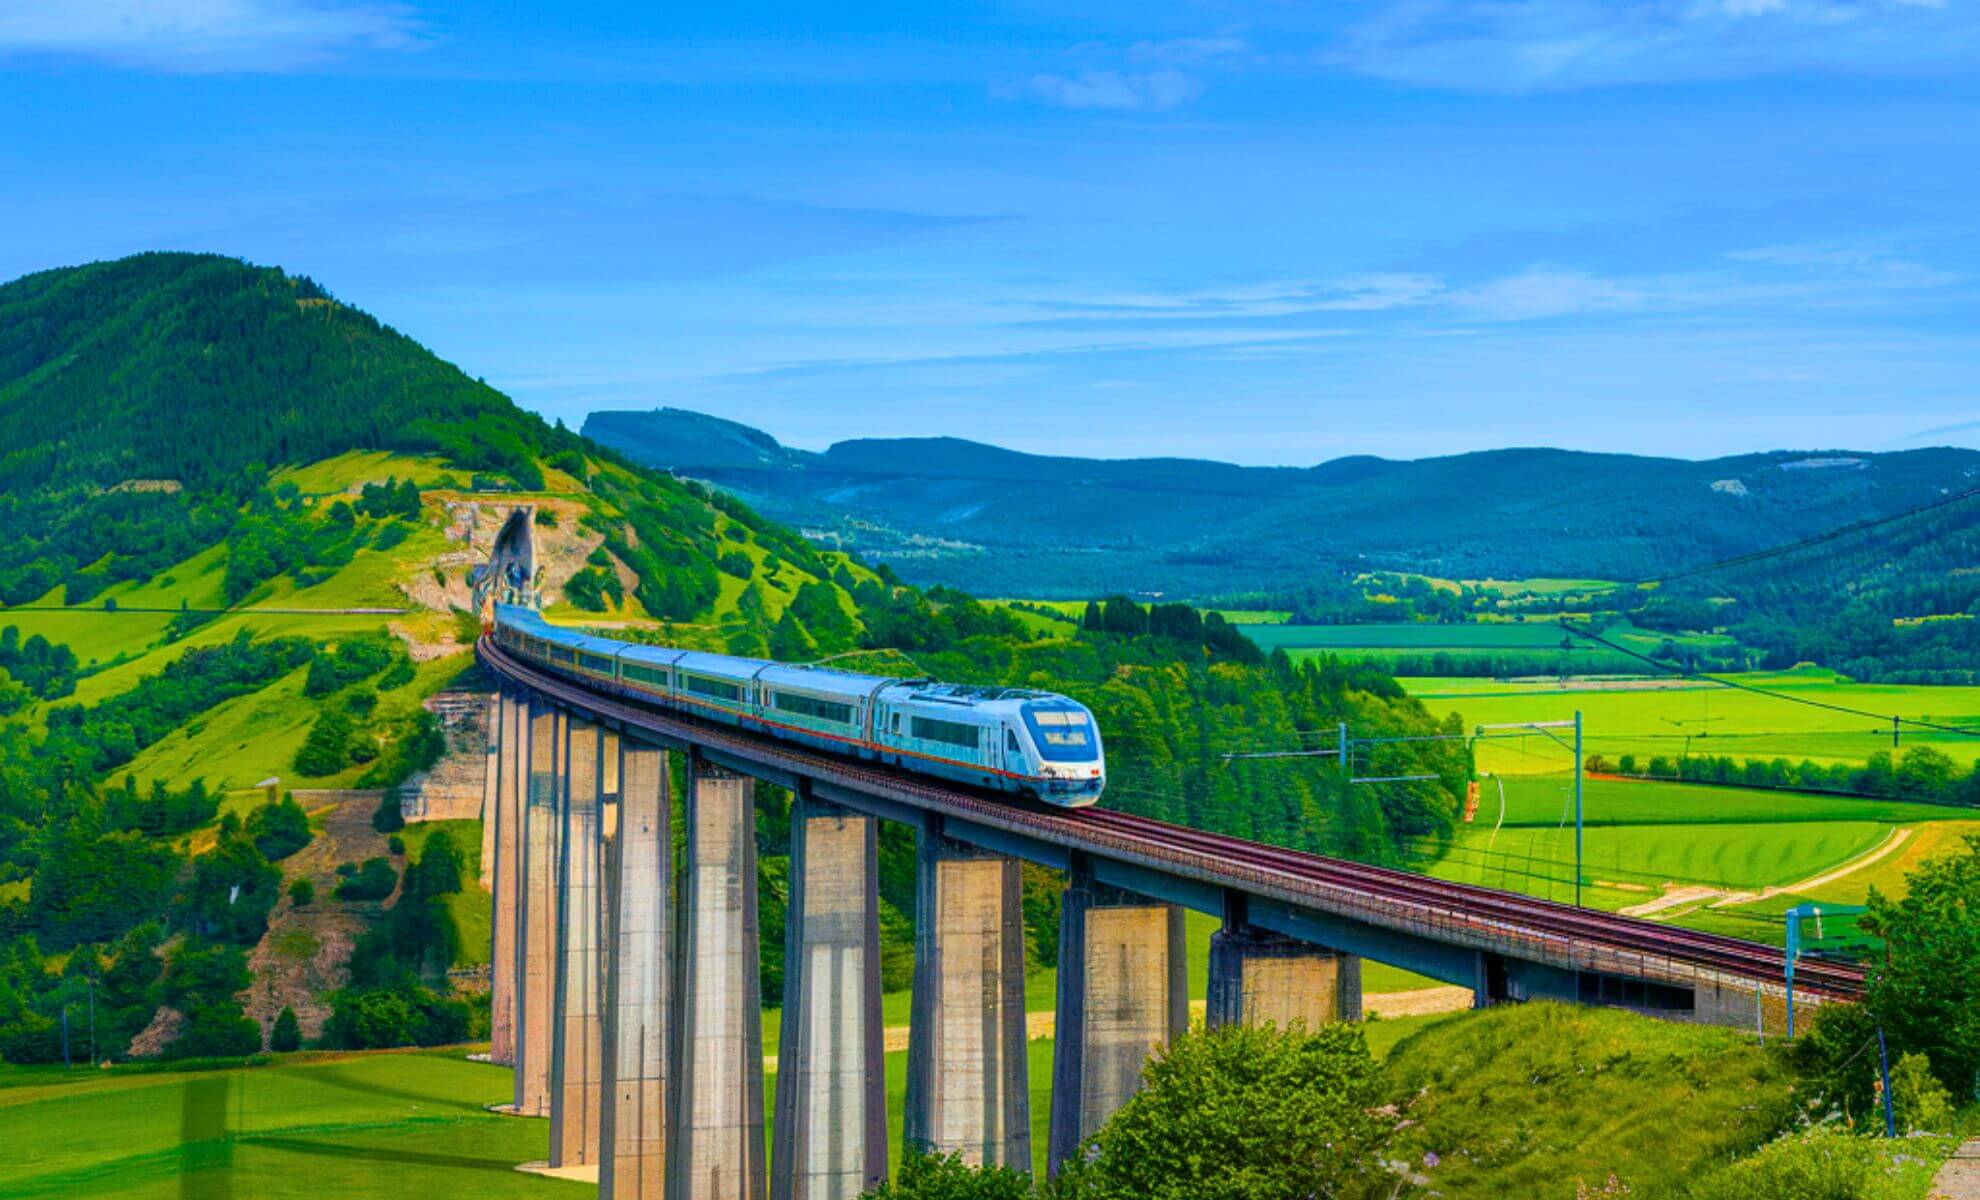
x,y
1681,895
1959,1179
304,953
1883,850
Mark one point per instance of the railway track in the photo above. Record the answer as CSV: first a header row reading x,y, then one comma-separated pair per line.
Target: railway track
x,y
1330,884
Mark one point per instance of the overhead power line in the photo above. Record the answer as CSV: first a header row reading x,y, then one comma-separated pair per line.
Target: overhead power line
x,y
1842,531
1890,719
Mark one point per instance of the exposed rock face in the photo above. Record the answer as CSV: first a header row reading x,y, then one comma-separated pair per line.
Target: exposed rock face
x,y
452,790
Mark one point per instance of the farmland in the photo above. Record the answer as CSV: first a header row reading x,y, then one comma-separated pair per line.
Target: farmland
x,y
1541,646
1673,717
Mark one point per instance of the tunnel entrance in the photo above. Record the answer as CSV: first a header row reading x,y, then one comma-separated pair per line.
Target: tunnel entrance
x,y
509,575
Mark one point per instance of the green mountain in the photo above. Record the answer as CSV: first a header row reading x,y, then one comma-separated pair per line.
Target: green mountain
x,y
242,517
943,510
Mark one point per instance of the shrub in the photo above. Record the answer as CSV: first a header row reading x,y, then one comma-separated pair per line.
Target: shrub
x,y
1824,1163
327,749
1240,1112
379,1018
388,817
926,1176
396,845
287,1034
302,893
373,881
279,830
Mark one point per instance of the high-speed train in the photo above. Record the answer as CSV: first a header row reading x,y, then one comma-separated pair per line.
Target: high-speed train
x,y
1031,743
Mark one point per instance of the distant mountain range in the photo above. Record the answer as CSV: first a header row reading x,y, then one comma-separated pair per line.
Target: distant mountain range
x,y
1000,522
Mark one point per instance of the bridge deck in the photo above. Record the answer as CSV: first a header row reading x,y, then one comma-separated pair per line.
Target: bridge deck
x,y
1197,868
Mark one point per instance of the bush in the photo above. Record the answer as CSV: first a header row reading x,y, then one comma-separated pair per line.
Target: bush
x,y
1922,1104
947,1177
217,1031
396,845
1240,1112
287,1034
232,891
373,881
279,830
1824,1164
388,817
379,1018
327,749
302,893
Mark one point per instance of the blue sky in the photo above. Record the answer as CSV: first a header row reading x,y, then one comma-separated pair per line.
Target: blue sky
x,y
1271,233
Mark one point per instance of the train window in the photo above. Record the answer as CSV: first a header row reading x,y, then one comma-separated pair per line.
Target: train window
x,y
811,706
646,675
1011,742
951,733
712,687
897,723
592,662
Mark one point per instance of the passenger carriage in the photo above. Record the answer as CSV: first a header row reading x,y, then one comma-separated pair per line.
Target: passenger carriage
x,y
1010,739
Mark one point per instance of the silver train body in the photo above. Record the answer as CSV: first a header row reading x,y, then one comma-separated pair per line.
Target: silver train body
x,y
1030,743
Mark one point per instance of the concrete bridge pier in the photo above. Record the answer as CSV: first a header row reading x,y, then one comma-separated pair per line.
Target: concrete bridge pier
x,y
829,1138
968,1085
1123,992
715,1110
578,1025
633,1127
1259,978
536,941
504,819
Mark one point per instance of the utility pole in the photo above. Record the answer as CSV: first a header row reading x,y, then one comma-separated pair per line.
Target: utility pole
x,y
1543,727
1884,1067
1577,808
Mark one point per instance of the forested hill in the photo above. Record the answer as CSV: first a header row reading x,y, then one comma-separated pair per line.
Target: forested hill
x,y
950,511
240,516
189,367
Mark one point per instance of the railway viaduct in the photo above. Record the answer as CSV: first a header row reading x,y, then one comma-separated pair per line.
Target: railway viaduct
x,y
626,990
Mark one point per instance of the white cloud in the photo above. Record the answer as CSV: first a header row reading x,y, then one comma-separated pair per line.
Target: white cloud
x,y
205,35
1149,91
1550,45
1190,51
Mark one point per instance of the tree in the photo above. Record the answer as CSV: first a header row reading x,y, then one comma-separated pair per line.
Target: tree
x,y
287,1034
232,891
279,829
327,749
926,1176
1926,991
1240,1113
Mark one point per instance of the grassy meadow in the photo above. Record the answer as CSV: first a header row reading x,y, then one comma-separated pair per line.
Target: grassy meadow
x,y
315,1125
1662,716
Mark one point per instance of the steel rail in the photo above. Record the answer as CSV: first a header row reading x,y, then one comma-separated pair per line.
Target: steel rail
x,y
1465,914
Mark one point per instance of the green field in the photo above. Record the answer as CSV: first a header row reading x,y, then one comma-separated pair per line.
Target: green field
x,y
1644,719
1640,838
333,1125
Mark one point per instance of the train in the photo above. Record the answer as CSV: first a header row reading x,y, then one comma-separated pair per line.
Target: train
x,y
1032,744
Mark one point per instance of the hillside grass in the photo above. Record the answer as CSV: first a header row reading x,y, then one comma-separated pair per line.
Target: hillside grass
x,y
1535,1099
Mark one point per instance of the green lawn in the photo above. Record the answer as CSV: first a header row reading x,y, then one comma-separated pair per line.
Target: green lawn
x,y
409,1124
1539,860
1645,721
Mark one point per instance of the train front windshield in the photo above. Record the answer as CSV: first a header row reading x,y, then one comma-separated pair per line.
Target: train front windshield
x,y
1063,734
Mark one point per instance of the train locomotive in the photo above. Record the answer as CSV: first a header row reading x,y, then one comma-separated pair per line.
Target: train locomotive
x,y
1016,740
